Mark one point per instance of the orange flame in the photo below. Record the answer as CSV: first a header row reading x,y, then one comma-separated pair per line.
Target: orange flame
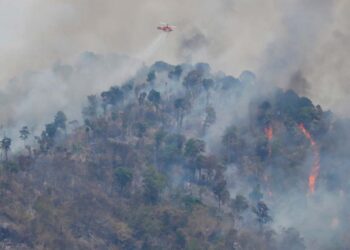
x,y
316,164
269,133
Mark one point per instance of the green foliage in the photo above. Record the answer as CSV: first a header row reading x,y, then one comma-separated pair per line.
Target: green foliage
x,y
123,177
208,83
139,129
153,184
239,204
24,133
112,97
6,146
151,77
233,144
60,120
210,117
70,180
159,138
154,97
220,189
262,212
190,201
194,147
50,130
12,167
90,111
171,151
176,73
192,80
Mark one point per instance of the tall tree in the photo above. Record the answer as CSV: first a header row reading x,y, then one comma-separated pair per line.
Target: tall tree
x,y
154,98
220,189
194,147
24,133
239,204
112,97
6,146
176,73
123,177
153,185
60,120
262,212
181,105
192,82
151,77
210,118
207,85
91,110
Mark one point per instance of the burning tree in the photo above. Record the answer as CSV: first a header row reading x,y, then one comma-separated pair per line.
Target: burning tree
x,y
316,164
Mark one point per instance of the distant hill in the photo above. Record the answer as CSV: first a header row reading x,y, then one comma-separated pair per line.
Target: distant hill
x,y
180,157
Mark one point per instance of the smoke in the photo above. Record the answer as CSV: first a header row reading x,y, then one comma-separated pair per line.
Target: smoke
x,y
294,44
147,53
276,39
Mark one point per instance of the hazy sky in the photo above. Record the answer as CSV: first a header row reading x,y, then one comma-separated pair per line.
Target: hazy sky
x,y
303,44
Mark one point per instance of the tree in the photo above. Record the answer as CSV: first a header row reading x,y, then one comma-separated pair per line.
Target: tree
x,y
158,140
142,98
91,110
6,146
171,151
153,184
220,189
50,130
24,133
210,118
232,143
151,77
60,120
139,129
207,85
154,98
181,105
113,97
291,239
176,73
239,204
262,212
194,147
192,81
262,149
123,177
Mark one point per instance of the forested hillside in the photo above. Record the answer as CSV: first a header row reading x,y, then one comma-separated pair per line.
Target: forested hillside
x,y
180,157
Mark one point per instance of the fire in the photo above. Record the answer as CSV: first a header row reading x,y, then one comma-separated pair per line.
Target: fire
x,y
316,164
312,181
269,133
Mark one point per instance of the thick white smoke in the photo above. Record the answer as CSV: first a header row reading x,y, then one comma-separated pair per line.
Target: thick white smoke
x,y
282,37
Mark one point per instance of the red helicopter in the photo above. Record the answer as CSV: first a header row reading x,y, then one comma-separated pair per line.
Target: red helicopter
x,y
166,27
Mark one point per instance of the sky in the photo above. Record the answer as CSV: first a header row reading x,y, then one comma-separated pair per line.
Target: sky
x,y
289,43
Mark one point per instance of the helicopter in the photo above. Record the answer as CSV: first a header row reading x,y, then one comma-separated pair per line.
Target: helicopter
x,y
166,27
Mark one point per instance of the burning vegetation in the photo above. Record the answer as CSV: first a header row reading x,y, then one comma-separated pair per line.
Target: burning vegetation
x,y
146,170
316,155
